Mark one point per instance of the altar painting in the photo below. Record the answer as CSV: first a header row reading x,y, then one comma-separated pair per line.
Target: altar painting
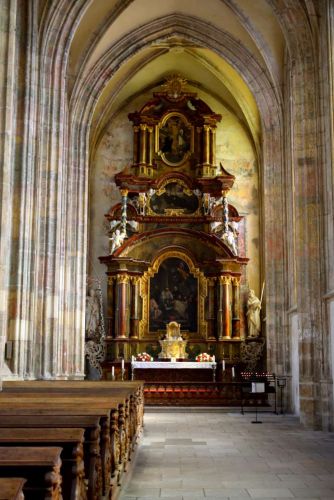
x,y
174,140
174,197
173,296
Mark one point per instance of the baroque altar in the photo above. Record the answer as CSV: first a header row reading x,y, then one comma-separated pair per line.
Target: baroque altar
x,y
176,243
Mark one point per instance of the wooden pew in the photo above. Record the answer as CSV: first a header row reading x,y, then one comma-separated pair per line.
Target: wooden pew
x,y
70,440
126,419
39,465
92,423
133,389
114,452
11,488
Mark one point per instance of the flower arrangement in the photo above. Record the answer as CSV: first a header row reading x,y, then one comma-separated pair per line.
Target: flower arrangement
x,y
204,357
143,356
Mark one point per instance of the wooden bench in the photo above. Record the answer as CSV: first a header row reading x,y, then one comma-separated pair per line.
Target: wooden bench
x,y
39,465
11,488
111,456
27,417
124,401
69,439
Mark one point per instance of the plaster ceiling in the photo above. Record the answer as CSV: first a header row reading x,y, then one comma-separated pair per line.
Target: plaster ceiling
x,y
252,24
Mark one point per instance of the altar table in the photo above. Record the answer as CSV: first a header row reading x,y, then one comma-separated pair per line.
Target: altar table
x,y
179,371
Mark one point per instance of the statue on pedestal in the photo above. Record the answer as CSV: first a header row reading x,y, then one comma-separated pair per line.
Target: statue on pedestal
x,y
253,315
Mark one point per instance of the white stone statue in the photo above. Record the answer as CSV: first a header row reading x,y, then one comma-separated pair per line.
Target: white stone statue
x,y
230,240
92,314
253,315
215,226
116,240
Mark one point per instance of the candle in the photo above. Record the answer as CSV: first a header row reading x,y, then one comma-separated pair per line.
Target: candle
x,y
112,371
122,365
214,358
233,372
223,365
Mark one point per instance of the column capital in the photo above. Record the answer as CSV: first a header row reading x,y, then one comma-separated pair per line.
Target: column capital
x,y
225,280
124,191
123,278
235,281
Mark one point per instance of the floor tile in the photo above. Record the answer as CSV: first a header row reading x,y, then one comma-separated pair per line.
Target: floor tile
x,y
217,455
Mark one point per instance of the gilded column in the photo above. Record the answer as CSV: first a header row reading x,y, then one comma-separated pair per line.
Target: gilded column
x,y
122,306
213,147
150,145
135,145
236,308
226,281
211,308
220,309
206,145
143,145
135,309
198,152
111,306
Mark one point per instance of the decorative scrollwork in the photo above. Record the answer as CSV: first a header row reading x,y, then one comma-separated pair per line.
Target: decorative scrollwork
x,y
251,353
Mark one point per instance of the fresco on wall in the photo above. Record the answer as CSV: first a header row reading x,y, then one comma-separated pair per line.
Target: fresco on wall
x,y
173,296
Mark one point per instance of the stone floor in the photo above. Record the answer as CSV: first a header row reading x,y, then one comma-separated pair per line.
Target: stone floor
x,y
210,454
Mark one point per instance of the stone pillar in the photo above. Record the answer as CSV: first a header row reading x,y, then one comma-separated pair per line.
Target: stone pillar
x,y
236,308
122,306
8,104
135,309
226,281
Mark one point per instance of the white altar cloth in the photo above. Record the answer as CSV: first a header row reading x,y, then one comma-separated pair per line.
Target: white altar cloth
x,y
176,364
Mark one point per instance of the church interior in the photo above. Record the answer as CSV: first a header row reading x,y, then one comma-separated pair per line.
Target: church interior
x,y
167,168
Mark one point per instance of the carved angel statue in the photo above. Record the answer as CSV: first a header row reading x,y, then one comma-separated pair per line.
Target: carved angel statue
x,y
208,202
253,315
142,203
215,226
230,240
92,314
116,240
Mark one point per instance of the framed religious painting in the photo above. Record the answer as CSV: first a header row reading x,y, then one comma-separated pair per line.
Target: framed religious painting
x,y
175,139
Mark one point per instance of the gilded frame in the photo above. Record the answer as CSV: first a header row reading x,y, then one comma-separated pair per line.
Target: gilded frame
x,y
144,292
161,125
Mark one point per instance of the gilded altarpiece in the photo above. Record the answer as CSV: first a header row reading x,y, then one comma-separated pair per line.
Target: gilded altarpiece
x,y
174,249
